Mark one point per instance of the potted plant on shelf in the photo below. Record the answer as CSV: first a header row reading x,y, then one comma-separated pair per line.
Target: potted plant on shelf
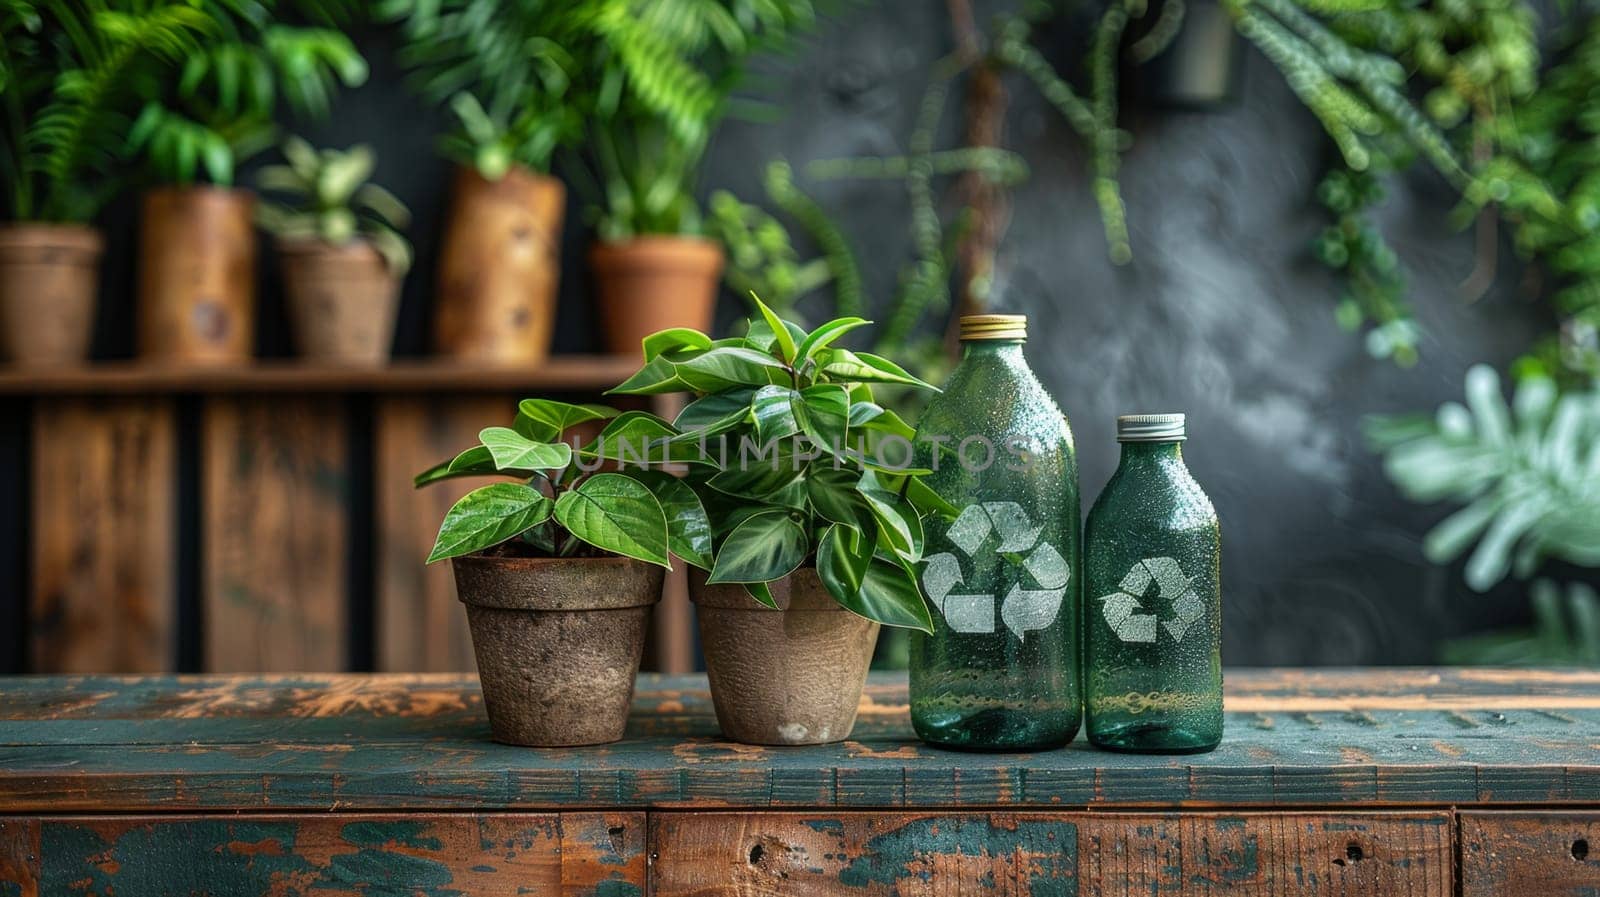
x,y
197,243
66,76
559,569
815,529
509,82
654,267
343,255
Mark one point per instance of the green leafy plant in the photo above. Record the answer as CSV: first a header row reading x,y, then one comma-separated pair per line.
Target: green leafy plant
x,y
786,462
1565,632
1528,475
789,453
558,508
506,71
330,198
69,73
1375,281
218,109
666,72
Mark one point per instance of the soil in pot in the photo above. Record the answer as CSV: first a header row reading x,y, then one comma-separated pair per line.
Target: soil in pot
x,y
558,642
49,275
342,300
789,676
653,283
500,266
197,275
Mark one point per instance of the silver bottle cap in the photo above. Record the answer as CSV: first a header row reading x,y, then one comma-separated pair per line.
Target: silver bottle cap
x,y
1150,428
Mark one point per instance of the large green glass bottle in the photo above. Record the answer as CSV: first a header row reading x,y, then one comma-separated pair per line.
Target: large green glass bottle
x,y
1153,600
1000,671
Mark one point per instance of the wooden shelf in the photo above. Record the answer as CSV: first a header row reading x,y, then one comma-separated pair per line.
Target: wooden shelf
x,y
572,372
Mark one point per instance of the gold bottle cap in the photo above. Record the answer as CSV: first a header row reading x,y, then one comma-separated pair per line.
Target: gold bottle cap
x,y
997,327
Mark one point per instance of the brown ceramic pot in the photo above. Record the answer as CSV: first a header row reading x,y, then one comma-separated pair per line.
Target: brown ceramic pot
x,y
342,300
789,676
653,283
197,275
500,267
49,274
558,642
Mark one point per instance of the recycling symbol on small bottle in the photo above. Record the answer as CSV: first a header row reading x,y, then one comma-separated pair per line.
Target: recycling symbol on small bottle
x,y
1022,609
1171,585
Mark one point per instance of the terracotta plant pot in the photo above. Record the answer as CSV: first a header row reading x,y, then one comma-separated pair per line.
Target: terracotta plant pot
x,y
790,676
653,283
500,267
342,300
197,275
558,643
49,274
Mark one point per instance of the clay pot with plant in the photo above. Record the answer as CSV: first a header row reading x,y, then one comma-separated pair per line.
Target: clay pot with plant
x,y
197,241
559,568
66,91
815,519
500,264
343,256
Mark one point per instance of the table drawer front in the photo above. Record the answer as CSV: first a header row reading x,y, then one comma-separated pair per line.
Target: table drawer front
x,y
1392,854
1537,854
338,854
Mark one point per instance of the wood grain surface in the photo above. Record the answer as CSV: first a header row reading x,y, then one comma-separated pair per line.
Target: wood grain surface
x,y
420,625
274,522
1535,854
104,536
419,742
735,854
579,854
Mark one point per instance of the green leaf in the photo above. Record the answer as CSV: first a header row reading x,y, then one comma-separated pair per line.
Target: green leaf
x,y
833,495
688,528
543,420
824,336
475,461
761,592
513,451
777,410
782,339
717,412
747,475
764,547
618,514
864,367
634,437
889,595
899,527
843,554
659,375
719,368
672,339
871,416
488,516
826,417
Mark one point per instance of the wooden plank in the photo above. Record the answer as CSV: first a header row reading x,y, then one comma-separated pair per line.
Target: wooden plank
x,y
104,536
710,854
19,857
420,742
583,854
1537,854
562,372
420,625
273,534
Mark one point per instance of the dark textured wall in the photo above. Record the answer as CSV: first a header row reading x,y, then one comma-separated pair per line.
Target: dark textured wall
x,y
1221,315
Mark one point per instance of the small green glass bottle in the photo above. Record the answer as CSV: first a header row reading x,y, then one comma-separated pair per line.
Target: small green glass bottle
x,y
1153,605
1000,671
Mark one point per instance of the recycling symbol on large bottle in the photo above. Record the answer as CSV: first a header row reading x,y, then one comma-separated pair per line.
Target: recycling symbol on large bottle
x,y
1171,586
1021,609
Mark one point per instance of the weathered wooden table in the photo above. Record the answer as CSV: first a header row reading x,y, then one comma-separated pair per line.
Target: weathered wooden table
x,y
1380,782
